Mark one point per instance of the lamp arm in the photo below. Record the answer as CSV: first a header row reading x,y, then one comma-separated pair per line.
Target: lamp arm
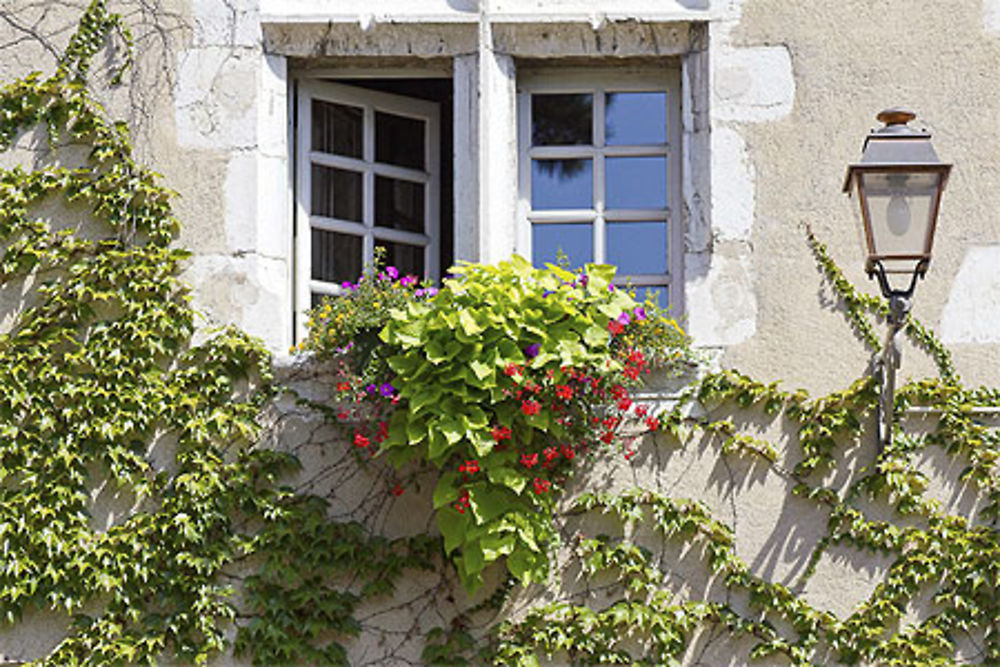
x,y
886,366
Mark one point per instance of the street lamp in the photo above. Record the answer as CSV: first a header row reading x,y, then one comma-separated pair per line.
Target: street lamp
x,y
899,181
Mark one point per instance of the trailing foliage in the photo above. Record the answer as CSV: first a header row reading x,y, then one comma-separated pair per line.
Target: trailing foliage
x,y
104,399
949,559
103,393
501,380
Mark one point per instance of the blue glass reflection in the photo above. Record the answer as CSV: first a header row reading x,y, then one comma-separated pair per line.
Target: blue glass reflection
x,y
637,247
660,295
635,118
561,184
636,182
575,240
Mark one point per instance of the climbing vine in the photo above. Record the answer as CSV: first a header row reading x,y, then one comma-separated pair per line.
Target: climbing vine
x,y
140,501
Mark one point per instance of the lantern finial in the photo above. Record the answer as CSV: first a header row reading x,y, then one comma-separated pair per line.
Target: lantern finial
x,y
895,116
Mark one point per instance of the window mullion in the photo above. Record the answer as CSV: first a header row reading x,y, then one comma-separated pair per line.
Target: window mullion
x,y
600,196
368,187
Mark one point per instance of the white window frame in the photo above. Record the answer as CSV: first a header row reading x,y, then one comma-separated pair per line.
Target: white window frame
x,y
598,81
370,101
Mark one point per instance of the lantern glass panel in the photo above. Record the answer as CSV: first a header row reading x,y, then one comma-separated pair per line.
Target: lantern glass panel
x,y
900,209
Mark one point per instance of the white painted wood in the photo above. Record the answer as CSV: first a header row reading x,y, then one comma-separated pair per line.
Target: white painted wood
x,y
498,175
371,102
466,157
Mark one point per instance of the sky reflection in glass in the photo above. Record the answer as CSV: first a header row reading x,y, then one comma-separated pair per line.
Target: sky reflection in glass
x,y
575,240
637,247
636,118
636,182
562,184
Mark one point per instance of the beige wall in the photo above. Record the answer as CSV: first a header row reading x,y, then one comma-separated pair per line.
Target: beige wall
x,y
781,95
851,59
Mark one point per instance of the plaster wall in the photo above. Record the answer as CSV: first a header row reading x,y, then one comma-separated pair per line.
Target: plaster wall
x,y
777,98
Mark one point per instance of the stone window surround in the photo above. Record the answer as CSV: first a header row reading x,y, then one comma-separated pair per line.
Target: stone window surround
x,y
482,61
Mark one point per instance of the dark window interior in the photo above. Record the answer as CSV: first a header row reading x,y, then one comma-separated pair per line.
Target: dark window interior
x,y
440,91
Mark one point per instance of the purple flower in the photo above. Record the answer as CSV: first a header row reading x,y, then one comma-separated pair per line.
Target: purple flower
x,y
387,389
348,285
392,271
547,292
371,389
431,291
611,288
532,350
639,313
624,319
406,281
584,279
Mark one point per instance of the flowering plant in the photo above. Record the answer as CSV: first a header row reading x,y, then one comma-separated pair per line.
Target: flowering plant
x,y
504,381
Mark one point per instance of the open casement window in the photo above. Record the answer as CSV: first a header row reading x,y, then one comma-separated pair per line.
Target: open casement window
x,y
367,176
599,173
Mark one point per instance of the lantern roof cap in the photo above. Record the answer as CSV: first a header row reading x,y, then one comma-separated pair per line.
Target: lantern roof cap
x,y
897,147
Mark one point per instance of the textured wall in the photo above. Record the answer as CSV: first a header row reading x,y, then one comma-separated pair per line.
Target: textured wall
x,y
792,89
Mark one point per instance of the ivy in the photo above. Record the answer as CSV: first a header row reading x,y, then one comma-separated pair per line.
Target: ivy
x,y
102,386
100,378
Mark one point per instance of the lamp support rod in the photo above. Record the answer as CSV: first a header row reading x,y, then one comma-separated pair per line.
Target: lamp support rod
x,y
886,366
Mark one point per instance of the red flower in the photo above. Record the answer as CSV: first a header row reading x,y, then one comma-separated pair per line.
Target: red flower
x,y
463,501
397,490
542,485
510,370
619,392
568,452
361,441
629,453
530,408
343,386
470,467
641,410
550,453
564,391
500,433
529,461
607,437
635,356
652,423
615,327
625,404
342,415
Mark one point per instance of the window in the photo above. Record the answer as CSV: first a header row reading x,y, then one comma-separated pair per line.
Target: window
x,y
599,172
368,175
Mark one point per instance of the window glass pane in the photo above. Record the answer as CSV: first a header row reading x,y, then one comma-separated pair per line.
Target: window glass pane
x,y
637,247
399,140
636,182
409,259
399,204
661,295
335,257
337,128
557,184
635,118
562,120
336,193
575,240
